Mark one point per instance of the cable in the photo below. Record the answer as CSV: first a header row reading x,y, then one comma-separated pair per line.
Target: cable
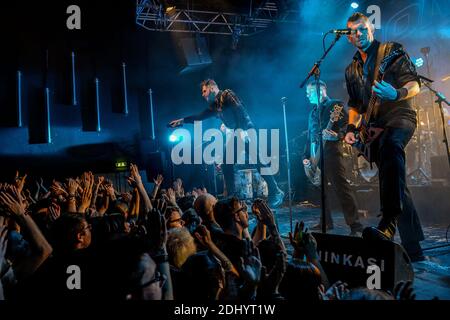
x,y
323,40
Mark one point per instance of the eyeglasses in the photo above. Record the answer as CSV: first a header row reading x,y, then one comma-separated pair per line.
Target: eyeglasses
x,y
242,208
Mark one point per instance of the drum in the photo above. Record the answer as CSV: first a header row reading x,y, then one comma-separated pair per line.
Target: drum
x,y
367,173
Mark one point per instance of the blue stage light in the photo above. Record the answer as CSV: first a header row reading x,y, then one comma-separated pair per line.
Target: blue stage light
x,y
173,138
354,5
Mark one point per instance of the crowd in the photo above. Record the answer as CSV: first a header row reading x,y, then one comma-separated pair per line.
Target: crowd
x,y
81,239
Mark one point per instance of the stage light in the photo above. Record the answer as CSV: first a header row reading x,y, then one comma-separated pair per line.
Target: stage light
x,y
175,138
418,62
354,5
171,11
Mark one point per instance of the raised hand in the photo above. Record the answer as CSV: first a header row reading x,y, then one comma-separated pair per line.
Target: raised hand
x,y
126,196
178,188
57,189
297,240
336,292
54,211
28,196
109,188
161,205
171,196
86,195
250,265
303,242
135,176
13,203
19,182
204,236
404,291
159,179
100,180
263,213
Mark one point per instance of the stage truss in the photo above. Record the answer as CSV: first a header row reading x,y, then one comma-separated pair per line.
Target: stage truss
x,y
151,15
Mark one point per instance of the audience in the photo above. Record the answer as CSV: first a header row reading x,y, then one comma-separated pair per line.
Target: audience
x,y
159,244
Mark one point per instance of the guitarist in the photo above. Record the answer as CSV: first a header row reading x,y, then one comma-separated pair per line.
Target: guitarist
x,y
396,118
335,173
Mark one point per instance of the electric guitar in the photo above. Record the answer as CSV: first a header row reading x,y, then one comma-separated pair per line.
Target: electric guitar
x,y
368,134
312,170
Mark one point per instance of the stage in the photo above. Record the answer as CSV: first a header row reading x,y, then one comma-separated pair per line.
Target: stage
x,y
431,277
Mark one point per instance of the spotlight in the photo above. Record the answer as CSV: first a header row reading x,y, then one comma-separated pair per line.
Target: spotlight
x,y
354,5
173,138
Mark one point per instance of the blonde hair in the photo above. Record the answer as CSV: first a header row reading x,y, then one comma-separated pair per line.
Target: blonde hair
x,y
180,246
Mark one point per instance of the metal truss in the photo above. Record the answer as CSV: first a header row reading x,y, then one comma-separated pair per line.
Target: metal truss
x,y
151,15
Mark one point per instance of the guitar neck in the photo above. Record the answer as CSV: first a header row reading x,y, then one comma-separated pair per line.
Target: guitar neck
x,y
372,102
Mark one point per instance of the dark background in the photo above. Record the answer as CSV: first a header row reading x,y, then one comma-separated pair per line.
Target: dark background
x,y
264,68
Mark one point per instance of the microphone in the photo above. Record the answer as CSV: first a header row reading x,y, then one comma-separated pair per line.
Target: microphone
x,y
343,31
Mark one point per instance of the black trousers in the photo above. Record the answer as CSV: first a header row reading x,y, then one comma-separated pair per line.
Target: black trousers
x,y
395,198
336,176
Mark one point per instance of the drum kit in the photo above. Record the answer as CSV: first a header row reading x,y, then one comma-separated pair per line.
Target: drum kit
x,y
249,184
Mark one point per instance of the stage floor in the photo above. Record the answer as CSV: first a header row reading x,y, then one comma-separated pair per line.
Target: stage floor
x,y
432,277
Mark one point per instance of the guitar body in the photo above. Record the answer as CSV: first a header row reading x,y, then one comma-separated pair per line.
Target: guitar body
x,y
368,141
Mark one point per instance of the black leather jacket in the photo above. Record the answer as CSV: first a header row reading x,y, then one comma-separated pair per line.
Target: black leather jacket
x,y
359,80
229,108
339,126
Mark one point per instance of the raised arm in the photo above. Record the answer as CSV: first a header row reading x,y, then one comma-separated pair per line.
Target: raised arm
x,y
41,249
158,181
136,180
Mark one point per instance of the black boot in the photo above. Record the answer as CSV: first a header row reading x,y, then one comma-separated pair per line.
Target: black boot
x,y
276,195
275,198
385,230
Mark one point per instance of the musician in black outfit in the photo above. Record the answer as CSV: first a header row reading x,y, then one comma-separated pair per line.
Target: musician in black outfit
x,y
227,106
398,119
335,172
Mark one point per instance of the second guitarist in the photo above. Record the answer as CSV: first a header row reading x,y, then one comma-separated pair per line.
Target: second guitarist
x,y
334,123
396,118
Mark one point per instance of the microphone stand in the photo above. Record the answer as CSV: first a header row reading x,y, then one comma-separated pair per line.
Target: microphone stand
x,y
440,99
288,162
315,70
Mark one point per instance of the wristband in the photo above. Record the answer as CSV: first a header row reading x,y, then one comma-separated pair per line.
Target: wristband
x,y
402,93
